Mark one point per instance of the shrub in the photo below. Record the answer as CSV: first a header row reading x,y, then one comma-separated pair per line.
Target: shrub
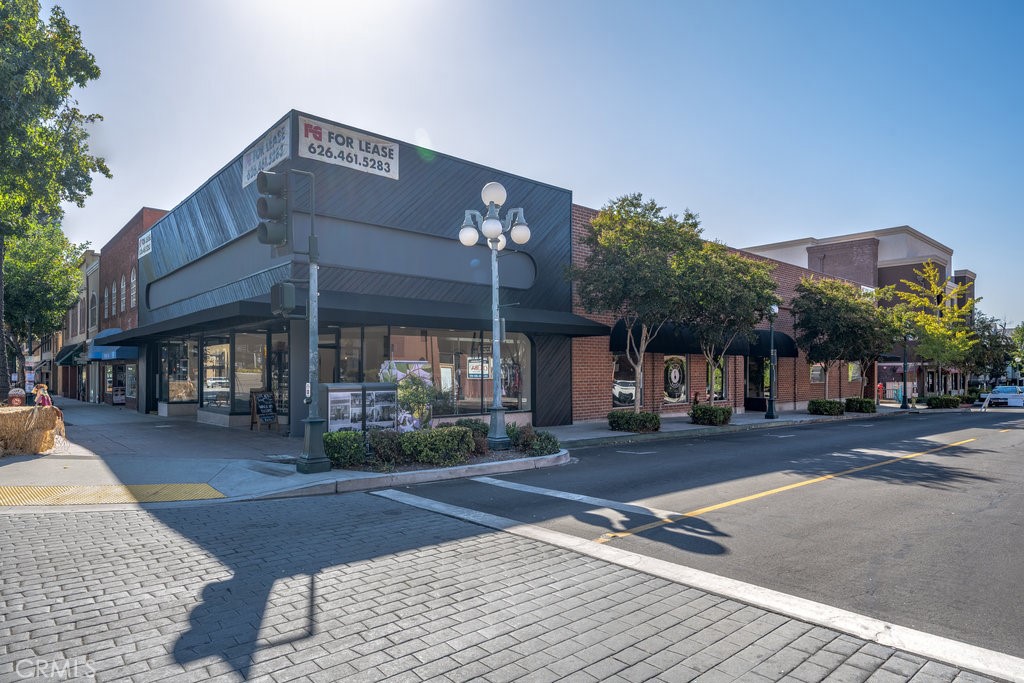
x,y
860,405
475,425
521,436
386,446
545,443
973,396
823,406
711,415
943,401
345,449
628,421
445,446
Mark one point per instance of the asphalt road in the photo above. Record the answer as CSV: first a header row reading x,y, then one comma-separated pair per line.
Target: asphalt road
x,y
922,526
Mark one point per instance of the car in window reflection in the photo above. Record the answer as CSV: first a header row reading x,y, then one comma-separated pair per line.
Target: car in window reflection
x,y
1005,395
623,392
217,383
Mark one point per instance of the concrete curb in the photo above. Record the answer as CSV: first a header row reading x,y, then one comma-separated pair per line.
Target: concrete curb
x,y
697,432
393,479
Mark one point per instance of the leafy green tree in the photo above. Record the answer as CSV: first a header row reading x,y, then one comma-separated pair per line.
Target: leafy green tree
x,y
994,349
1017,354
45,159
43,278
725,295
828,314
630,270
940,321
877,329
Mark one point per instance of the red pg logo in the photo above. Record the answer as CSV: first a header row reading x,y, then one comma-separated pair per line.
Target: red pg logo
x,y
314,130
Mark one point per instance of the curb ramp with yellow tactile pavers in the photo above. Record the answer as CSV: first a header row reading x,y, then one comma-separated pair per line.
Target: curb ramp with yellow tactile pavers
x,y
97,495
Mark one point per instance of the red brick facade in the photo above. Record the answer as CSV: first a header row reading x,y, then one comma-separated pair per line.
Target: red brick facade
x,y
119,260
592,365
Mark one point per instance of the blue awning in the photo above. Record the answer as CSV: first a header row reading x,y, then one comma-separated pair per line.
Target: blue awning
x,y
114,353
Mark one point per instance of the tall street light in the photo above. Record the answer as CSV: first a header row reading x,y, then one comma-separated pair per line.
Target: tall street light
x,y
904,405
770,414
494,228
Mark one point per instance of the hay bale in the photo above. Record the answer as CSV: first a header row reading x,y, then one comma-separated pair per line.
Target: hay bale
x,y
29,431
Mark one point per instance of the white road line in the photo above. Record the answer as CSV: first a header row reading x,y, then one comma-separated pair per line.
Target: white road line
x,y
579,498
962,655
637,452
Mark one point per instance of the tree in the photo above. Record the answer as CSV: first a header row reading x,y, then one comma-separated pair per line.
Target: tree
x,y
876,330
994,349
1017,353
940,321
43,135
43,278
827,317
725,295
630,270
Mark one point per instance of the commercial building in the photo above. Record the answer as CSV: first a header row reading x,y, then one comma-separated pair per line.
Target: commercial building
x,y
397,291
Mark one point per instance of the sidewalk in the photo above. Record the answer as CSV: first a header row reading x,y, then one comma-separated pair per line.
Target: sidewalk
x,y
114,456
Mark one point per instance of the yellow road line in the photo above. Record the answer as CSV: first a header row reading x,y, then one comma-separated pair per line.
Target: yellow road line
x,y
94,495
712,508
1001,431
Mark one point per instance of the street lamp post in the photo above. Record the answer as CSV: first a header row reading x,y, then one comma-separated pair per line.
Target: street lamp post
x,y
494,228
770,414
904,405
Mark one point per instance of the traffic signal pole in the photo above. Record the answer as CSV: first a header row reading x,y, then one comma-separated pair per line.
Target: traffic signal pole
x,y
275,208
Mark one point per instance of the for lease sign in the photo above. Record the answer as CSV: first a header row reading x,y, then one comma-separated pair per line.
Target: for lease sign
x,y
343,147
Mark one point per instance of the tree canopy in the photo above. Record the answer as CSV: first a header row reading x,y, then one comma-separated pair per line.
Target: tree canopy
x,y
994,348
725,295
43,135
43,279
828,315
940,320
631,270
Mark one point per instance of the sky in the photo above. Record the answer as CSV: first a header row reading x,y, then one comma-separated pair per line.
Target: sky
x,y
771,119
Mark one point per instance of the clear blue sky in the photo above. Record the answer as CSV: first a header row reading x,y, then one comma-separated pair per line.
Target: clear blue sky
x,y
772,120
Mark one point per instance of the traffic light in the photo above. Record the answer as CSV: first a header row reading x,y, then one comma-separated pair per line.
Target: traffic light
x,y
272,207
282,298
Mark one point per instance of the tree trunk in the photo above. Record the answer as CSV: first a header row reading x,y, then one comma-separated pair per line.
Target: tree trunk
x,y
5,373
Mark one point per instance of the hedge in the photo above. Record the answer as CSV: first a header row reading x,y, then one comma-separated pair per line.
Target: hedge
x,y
823,406
445,446
629,421
345,449
943,401
545,443
860,405
710,415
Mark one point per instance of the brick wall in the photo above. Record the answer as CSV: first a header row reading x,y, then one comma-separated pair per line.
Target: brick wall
x,y
854,260
118,259
592,361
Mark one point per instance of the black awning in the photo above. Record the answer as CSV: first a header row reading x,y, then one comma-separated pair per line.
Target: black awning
x,y
785,346
679,339
67,353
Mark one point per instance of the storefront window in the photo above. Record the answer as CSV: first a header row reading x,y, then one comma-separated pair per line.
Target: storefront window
x,y
853,371
250,362
623,382
716,380
758,375
675,379
376,350
328,351
817,374
279,371
349,354
216,369
131,382
179,371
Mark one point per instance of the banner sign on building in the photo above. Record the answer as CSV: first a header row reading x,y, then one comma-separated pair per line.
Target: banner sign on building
x,y
145,243
343,147
272,148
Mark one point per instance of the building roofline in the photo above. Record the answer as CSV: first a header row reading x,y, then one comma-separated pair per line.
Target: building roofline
x,y
849,237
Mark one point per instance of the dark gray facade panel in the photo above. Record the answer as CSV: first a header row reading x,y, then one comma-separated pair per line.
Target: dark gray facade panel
x,y
253,286
363,247
552,381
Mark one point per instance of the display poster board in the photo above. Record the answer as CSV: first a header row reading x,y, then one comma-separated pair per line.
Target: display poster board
x,y
478,368
262,408
358,407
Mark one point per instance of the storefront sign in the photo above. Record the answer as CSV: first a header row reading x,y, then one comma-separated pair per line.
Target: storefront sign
x,y
272,148
343,147
145,243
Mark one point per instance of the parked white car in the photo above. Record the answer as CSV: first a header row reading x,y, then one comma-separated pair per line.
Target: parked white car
x,y
1005,395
